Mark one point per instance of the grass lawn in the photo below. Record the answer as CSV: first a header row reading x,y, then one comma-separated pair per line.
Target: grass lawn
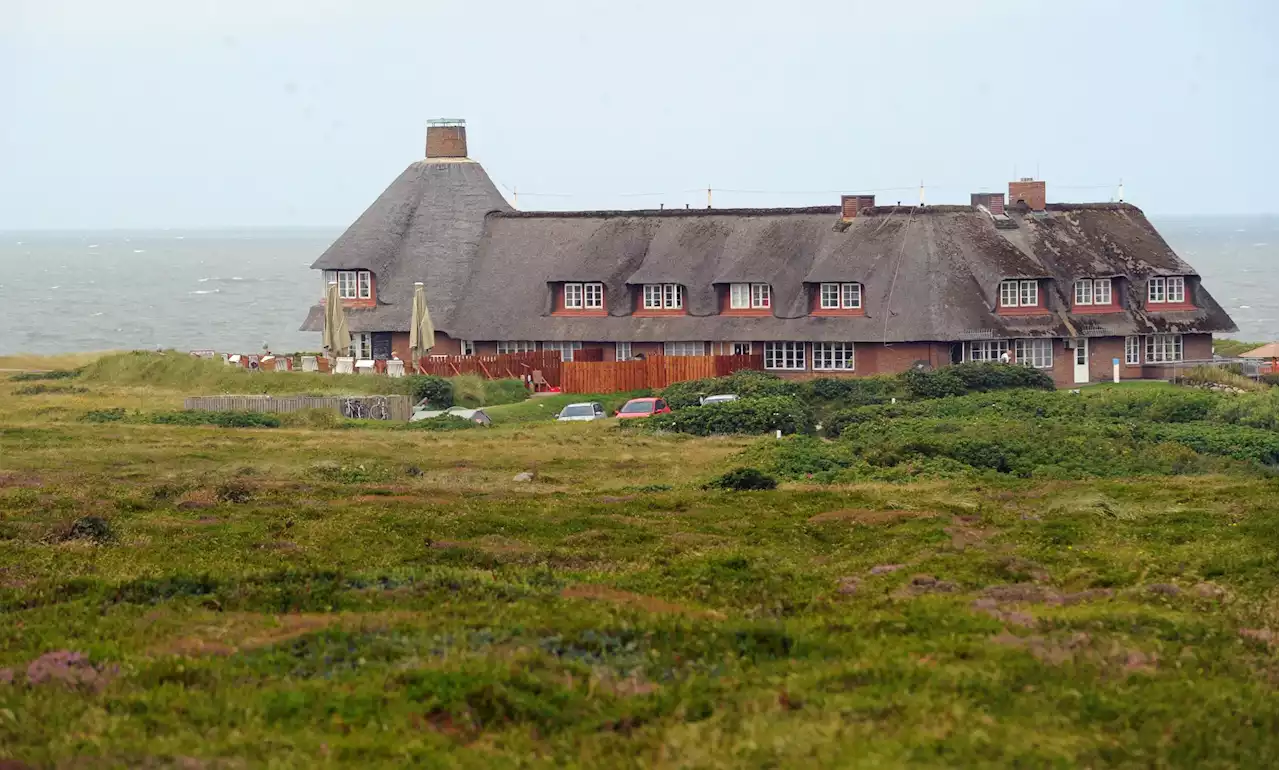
x,y
319,598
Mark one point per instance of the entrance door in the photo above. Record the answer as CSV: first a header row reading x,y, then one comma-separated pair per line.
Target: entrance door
x,y
1082,361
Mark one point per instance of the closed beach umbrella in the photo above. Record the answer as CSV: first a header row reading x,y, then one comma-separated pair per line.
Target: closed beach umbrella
x,y
337,339
422,334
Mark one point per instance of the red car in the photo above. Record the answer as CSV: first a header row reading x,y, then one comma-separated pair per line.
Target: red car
x,y
642,407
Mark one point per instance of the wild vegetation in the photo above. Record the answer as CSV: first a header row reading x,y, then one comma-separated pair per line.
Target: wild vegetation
x,y
1008,577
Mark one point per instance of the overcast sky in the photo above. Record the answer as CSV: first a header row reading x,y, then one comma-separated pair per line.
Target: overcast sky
x,y
155,113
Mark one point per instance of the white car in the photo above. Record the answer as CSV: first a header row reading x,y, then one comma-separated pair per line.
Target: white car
x,y
585,411
720,399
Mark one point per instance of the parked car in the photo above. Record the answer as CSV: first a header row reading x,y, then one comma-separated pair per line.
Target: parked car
x,y
720,399
461,412
642,407
585,411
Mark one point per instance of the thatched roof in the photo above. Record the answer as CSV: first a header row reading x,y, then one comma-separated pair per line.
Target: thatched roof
x,y
930,273
424,227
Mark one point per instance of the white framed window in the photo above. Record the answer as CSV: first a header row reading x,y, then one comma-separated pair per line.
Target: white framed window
x,y
515,346
1164,348
684,348
1028,293
739,296
851,296
362,345
1102,291
1132,348
1084,292
1176,289
573,296
468,347
833,355
1008,294
784,355
987,350
760,295
593,296
347,284
663,296
840,296
352,284
1155,290
622,351
565,348
1038,354
364,284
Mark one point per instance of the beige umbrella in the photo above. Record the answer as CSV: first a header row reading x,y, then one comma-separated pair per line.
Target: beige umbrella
x,y
422,333
337,340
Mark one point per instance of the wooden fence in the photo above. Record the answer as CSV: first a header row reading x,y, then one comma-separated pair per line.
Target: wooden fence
x,y
653,373
517,365
355,407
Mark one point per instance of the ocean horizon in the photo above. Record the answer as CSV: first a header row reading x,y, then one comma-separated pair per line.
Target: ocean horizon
x,y
238,289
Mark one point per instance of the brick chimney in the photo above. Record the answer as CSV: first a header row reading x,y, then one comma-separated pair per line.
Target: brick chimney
x,y
993,201
446,138
850,205
1028,191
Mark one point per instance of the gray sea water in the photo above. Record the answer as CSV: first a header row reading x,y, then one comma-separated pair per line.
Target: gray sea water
x,y
236,290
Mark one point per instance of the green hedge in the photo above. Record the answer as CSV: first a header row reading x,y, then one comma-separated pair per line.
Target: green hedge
x,y
219,419
437,391
442,422
748,415
973,377
746,384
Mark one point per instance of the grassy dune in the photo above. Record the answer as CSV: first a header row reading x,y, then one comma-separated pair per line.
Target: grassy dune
x,y
322,598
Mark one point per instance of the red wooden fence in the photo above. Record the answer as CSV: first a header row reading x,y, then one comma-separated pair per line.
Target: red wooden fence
x,y
653,373
517,365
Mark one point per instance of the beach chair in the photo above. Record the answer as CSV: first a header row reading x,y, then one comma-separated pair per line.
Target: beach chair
x,y
365,366
539,382
395,368
345,365
267,363
309,364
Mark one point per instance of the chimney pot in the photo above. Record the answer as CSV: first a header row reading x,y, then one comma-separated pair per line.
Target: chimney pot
x,y
446,138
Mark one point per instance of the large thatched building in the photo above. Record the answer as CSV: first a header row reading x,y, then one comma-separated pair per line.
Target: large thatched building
x,y
853,288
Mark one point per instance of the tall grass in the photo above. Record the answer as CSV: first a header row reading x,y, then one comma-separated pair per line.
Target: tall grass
x,y
1216,375
30,362
189,374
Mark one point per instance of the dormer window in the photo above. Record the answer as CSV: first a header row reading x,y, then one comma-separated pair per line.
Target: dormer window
x,y
584,296
352,284
749,296
1093,291
1167,290
840,296
1019,293
663,296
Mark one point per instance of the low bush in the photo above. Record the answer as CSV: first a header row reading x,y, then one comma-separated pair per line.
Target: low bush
x,y
745,383
1256,410
442,422
115,414
743,480
747,415
55,374
36,390
1218,375
218,419
436,391
973,377
854,391
1236,441
92,528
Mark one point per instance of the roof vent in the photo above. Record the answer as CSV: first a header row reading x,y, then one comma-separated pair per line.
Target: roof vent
x,y
850,205
447,138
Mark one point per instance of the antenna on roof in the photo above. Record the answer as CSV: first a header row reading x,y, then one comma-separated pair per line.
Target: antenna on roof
x,y
515,196
708,196
921,192
1122,189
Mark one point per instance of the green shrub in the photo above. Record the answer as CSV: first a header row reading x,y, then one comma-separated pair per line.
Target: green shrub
x,y
973,377
93,528
115,414
437,391
854,391
742,480
1236,441
505,391
442,422
744,383
1256,410
468,391
36,390
746,415
218,419
55,374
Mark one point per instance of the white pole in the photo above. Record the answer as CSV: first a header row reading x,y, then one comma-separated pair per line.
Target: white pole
x,y
1115,370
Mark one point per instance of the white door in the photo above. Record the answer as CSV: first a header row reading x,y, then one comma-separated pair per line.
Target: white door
x,y
1082,361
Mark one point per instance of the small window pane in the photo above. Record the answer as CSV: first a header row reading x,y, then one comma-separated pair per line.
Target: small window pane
x,y
1102,291
1030,295
830,296
759,295
365,284
851,296
1177,289
622,351
593,296
1084,292
1008,294
739,296
573,296
1155,290
652,296
1131,349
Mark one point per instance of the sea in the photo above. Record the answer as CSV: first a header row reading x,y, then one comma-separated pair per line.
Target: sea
x,y
243,290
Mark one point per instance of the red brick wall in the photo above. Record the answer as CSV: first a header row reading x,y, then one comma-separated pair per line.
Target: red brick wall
x,y
444,345
446,141
1032,192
